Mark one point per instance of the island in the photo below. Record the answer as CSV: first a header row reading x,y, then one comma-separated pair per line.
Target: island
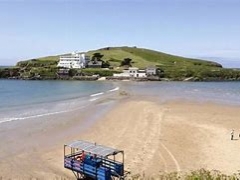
x,y
120,63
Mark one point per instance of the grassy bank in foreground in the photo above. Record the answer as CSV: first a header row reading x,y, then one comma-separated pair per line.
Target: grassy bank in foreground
x,y
201,174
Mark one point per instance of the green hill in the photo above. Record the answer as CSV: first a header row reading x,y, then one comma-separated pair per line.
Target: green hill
x,y
145,57
172,67
141,58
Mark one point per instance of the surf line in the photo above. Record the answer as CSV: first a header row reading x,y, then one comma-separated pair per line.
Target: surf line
x,y
97,94
33,116
115,89
94,99
39,115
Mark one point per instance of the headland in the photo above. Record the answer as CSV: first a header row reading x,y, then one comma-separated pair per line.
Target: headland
x,y
120,63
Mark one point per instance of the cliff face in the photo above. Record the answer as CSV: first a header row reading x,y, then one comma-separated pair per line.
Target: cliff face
x,y
171,67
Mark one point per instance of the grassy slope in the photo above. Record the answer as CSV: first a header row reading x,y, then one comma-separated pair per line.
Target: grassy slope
x,y
141,57
145,57
174,67
116,55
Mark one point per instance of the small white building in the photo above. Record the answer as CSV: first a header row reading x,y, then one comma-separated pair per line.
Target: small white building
x,y
132,72
141,73
75,61
151,71
121,75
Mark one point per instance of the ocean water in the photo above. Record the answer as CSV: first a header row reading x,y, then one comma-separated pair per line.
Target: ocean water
x,y
21,100
32,99
216,92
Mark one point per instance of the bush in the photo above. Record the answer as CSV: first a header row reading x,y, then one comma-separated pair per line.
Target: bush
x,y
201,174
126,62
49,73
72,72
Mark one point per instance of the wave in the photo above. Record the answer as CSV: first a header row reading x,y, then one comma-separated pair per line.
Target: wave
x,y
71,107
93,99
39,115
97,94
115,89
101,93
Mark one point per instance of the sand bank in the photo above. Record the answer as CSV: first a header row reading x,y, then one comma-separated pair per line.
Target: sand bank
x,y
174,136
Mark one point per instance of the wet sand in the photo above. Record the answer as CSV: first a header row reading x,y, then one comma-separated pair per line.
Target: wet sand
x,y
171,136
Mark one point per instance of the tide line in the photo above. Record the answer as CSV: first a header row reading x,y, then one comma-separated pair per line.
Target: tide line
x,y
115,89
33,116
93,99
97,94
38,115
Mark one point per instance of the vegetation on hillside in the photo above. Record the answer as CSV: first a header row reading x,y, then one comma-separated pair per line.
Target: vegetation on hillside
x,y
126,62
117,58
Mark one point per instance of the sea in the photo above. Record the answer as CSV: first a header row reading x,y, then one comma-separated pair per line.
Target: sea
x,y
20,99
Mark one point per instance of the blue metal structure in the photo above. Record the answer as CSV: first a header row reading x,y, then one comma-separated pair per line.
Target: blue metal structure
x,y
89,160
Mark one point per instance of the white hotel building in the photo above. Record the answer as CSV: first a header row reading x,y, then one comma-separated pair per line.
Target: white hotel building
x,y
75,61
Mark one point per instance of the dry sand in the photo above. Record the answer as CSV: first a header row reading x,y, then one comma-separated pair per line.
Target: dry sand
x,y
171,136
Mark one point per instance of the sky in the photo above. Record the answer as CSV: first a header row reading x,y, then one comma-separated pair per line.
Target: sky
x,y
191,28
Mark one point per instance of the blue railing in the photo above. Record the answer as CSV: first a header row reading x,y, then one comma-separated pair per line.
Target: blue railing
x,y
95,172
95,167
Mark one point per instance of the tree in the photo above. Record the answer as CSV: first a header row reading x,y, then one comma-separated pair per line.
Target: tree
x,y
72,72
106,64
97,57
126,62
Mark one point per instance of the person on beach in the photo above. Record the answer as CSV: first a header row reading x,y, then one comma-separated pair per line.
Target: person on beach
x,y
81,157
232,134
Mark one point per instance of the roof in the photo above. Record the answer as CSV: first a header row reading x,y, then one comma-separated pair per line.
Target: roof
x,y
93,148
133,68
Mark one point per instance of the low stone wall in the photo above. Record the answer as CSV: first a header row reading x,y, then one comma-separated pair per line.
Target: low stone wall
x,y
153,78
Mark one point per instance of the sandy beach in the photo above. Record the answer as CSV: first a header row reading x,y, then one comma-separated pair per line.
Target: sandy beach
x,y
156,137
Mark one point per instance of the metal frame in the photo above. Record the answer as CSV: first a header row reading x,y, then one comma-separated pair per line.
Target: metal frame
x,y
105,155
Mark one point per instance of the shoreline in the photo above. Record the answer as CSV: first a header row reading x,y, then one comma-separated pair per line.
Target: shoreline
x,y
156,137
111,78
28,143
